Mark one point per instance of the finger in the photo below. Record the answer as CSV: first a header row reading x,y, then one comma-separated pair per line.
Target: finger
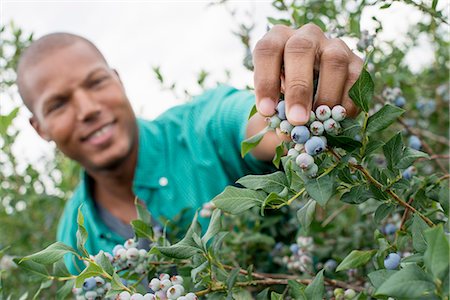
x,y
299,58
334,64
267,61
354,70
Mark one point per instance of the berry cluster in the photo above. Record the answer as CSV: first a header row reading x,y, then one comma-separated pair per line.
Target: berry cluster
x,y
394,95
207,209
392,224
308,140
128,256
162,288
340,294
301,257
365,40
93,288
426,107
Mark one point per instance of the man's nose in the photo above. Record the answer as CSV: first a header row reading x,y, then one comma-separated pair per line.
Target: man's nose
x,y
87,107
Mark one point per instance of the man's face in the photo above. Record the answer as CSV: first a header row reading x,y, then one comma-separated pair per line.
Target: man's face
x,y
80,103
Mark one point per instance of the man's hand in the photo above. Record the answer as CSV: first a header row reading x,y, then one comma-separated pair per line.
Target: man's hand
x,y
286,61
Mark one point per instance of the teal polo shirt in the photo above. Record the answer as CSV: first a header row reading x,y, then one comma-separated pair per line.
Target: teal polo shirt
x,y
186,156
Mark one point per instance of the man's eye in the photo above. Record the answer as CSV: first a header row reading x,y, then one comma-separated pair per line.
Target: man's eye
x,y
55,106
98,81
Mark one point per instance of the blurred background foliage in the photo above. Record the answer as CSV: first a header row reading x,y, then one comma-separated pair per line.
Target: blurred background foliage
x,y
32,197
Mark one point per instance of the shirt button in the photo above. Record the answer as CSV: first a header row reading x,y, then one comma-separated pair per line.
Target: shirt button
x,y
163,181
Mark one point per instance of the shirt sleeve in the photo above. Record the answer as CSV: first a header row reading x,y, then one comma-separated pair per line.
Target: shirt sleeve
x,y
225,112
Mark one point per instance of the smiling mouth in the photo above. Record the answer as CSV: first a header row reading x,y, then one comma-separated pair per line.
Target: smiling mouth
x,y
101,135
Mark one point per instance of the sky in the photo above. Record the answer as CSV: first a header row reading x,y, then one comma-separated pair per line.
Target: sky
x,y
183,37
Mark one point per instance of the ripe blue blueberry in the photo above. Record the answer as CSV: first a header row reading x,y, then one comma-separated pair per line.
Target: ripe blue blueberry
x,y
414,142
294,248
409,172
89,284
400,101
314,145
390,229
281,109
300,134
392,261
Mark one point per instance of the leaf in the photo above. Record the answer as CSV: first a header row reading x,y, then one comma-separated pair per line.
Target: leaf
x,y
383,118
253,111
279,21
6,120
232,276
263,295
436,257
142,212
344,142
417,230
142,229
373,145
380,276
297,290
279,151
355,259
236,200
65,290
409,156
44,285
305,215
214,226
274,182
393,151
276,296
51,254
271,199
444,195
91,270
250,143
32,267
316,289
105,264
320,189
409,283
357,195
81,234
198,269
362,90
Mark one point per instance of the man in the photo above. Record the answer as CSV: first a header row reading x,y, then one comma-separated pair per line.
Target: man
x,y
190,153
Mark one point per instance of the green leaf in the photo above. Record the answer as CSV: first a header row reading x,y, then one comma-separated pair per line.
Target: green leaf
x,y
6,120
305,215
417,230
60,269
253,111
357,195
142,229
65,290
320,189
436,257
236,200
276,296
408,283
279,152
104,263
373,145
355,259
344,142
316,289
32,267
409,157
214,226
393,151
92,270
444,195
383,118
198,269
274,21
271,200
297,290
232,276
263,295
362,90
142,212
44,285
81,234
274,182
250,143
379,276
51,254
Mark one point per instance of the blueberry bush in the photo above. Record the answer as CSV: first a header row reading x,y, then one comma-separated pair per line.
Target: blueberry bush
x,y
358,208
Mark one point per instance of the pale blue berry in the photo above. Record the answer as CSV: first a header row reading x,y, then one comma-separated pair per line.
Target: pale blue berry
x,y
314,145
191,296
124,295
414,142
331,126
116,249
274,122
392,261
316,128
304,161
323,112
286,127
155,284
293,153
390,229
132,253
294,248
300,134
281,109
400,101
330,265
149,296
90,295
177,279
175,291
409,172
338,113
137,296
89,284
312,171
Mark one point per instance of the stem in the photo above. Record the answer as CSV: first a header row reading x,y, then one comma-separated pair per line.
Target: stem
x,y
405,214
334,215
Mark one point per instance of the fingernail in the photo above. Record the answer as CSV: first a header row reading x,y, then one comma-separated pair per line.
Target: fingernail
x,y
266,107
297,114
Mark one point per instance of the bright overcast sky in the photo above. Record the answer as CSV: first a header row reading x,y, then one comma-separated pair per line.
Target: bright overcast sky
x,y
182,37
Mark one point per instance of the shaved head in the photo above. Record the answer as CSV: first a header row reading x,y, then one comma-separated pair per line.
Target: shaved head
x,y
41,49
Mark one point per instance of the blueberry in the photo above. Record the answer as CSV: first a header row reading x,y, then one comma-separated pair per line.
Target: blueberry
x,y
117,248
390,228
314,145
338,113
149,296
274,122
331,126
286,127
175,291
323,112
155,284
304,161
400,101
316,128
330,265
409,172
90,295
312,117
191,296
414,142
89,284
312,171
292,153
124,295
281,109
300,134
294,248
137,296
392,261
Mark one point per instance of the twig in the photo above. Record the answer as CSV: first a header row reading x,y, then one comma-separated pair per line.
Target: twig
x,y
405,214
334,215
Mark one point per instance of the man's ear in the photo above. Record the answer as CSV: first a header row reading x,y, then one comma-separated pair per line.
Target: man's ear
x,y
35,123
